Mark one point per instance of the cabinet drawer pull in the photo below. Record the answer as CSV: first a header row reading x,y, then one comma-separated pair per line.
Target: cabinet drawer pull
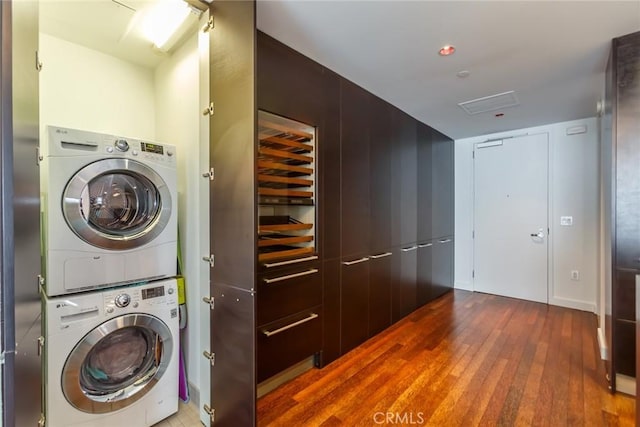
x,y
444,241
357,261
291,276
412,248
291,261
380,255
425,245
290,325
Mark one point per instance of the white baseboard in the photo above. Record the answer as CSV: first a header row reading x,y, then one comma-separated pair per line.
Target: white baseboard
x,y
575,304
463,284
602,344
625,384
194,394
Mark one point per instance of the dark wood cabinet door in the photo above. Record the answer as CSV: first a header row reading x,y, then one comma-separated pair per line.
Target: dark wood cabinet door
x,y
354,295
354,147
424,292
442,186
425,182
379,292
283,75
380,176
331,309
408,279
442,266
404,179
627,146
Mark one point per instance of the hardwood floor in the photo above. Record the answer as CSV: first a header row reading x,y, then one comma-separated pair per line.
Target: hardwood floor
x,y
465,359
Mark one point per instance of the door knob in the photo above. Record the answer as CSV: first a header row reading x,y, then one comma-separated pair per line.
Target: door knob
x,y
539,234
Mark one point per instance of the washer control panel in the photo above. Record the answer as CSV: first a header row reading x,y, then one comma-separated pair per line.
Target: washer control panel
x,y
133,298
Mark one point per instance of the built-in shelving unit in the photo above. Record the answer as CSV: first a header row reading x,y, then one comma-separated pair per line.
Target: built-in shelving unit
x,y
286,188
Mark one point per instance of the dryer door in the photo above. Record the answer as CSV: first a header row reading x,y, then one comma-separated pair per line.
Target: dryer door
x,y
117,363
117,204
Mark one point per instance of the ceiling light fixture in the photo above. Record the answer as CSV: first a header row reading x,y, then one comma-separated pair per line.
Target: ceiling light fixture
x,y
446,50
163,20
463,74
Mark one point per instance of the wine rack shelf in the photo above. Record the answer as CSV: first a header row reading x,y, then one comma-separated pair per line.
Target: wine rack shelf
x,y
286,188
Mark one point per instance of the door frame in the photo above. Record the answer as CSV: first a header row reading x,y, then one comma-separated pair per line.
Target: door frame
x,y
550,287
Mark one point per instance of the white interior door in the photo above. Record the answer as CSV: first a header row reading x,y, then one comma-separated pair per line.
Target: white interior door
x,y
510,217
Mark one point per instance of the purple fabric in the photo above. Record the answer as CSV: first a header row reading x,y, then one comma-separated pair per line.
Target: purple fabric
x,y
183,389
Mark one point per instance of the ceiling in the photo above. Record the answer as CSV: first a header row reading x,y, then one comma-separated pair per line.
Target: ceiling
x,y
551,53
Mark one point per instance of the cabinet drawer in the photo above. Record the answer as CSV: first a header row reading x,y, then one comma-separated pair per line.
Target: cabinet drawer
x,y
288,341
286,292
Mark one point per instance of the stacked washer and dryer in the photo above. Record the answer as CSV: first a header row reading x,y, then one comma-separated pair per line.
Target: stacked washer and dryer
x,y
110,299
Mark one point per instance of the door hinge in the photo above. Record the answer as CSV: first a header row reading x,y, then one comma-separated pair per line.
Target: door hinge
x,y
211,301
473,154
39,157
41,421
209,25
209,174
211,356
473,234
473,274
40,345
209,110
211,259
38,62
209,410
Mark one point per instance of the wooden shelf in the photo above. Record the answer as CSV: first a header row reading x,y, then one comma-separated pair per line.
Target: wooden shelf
x,y
283,227
274,140
284,192
287,253
266,124
285,240
282,154
292,181
264,164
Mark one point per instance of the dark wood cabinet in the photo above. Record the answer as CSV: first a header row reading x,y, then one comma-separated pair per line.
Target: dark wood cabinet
x,y
406,280
331,307
442,190
354,168
379,292
424,292
354,297
442,267
621,175
425,182
380,145
404,179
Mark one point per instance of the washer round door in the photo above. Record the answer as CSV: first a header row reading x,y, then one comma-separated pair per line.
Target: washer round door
x,y
116,204
117,363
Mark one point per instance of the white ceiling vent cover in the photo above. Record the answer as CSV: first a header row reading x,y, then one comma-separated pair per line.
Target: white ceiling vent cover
x,y
490,103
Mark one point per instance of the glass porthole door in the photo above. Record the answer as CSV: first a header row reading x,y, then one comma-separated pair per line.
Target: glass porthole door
x,y
117,363
116,204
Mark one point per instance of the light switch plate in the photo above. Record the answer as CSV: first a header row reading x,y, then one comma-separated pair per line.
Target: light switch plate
x,y
566,220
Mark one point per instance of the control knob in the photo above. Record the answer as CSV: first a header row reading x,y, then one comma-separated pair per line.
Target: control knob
x,y
123,300
122,145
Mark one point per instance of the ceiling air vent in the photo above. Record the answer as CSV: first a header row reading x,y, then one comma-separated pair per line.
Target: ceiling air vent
x,y
490,103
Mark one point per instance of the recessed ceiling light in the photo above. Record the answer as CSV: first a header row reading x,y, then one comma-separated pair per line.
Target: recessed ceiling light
x,y
446,50
464,73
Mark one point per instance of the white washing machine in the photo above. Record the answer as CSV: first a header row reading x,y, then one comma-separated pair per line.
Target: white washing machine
x,y
109,210
111,356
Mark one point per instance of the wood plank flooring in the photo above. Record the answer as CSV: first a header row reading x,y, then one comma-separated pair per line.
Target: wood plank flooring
x,y
465,359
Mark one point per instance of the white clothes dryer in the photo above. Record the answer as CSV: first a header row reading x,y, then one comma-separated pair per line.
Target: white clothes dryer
x,y
111,356
109,210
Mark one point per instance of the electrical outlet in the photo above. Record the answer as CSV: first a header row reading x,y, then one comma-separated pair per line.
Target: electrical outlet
x,y
575,275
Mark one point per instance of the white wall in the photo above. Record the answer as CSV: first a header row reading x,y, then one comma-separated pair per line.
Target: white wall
x,y
574,191
85,89
178,118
